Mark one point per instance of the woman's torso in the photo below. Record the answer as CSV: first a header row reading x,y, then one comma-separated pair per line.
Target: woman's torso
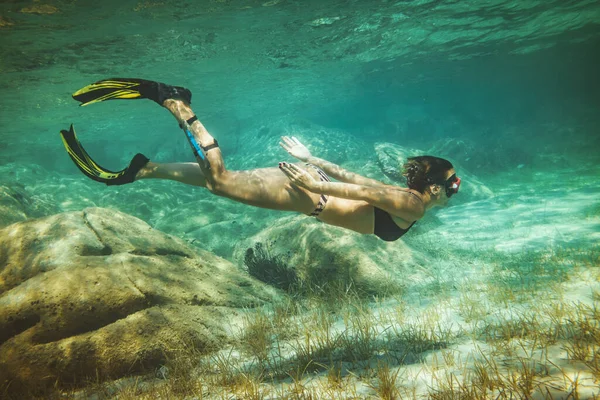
x,y
359,216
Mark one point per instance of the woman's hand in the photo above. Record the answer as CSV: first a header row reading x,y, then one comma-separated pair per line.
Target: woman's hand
x,y
298,176
296,149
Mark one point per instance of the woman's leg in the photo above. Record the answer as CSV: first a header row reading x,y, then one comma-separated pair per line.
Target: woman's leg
x,y
213,173
265,187
188,173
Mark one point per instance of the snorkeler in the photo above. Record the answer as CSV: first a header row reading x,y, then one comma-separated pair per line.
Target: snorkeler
x,y
357,203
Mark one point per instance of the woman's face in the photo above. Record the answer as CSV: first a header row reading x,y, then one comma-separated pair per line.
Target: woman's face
x,y
450,187
439,191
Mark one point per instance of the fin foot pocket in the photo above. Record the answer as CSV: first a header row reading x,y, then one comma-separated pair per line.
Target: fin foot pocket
x,y
130,89
92,170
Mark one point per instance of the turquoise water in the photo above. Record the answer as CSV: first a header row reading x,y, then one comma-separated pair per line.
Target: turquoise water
x,y
509,92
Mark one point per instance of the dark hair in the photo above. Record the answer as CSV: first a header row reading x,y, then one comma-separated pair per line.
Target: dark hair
x,y
422,171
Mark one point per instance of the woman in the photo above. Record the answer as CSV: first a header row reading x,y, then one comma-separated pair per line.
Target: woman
x,y
357,203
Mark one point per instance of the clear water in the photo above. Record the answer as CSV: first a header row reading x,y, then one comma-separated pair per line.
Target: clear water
x,y
509,91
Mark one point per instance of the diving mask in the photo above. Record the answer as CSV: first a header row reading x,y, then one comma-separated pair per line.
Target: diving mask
x,y
451,185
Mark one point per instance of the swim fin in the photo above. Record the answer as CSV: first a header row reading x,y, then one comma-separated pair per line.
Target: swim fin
x,y
130,88
92,170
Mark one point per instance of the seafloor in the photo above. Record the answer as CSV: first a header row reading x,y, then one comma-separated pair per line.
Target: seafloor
x,y
161,290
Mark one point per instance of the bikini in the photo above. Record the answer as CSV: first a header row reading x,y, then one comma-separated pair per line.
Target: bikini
x,y
385,227
323,199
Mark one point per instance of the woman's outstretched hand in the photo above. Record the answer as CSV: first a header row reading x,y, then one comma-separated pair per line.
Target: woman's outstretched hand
x,y
298,176
296,149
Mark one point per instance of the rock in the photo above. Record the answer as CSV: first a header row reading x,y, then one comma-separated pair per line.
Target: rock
x,y
460,150
100,293
40,9
5,23
500,153
211,222
17,203
391,157
324,21
13,205
23,192
322,254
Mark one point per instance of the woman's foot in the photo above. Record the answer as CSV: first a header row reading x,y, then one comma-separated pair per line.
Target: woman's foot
x,y
168,92
130,173
131,89
92,170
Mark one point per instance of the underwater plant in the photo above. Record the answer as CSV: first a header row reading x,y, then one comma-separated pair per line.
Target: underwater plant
x,y
268,268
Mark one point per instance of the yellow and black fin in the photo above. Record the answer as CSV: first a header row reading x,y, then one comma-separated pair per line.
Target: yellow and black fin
x,y
130,89
92,170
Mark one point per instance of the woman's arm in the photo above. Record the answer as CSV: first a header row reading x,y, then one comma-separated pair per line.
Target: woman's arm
x,y
341,174
297,150
391,199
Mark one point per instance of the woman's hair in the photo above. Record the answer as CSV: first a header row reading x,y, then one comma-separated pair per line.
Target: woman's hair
x,y
423,171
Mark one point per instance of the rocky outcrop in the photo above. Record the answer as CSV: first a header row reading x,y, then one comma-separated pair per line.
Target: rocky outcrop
x,y
40,9
101,293
20,199
210,222
501,154
12,207
391,157
322,254
17,204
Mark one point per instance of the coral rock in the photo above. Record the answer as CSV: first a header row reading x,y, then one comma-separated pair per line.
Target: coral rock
x,y
101,293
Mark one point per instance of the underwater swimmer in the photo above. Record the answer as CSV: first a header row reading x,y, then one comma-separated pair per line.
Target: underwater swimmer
x,y
357,203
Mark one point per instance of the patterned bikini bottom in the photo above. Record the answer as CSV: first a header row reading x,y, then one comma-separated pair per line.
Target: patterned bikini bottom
x,y
323,199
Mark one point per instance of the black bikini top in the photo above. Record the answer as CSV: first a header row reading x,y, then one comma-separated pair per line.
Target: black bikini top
x,y
385,227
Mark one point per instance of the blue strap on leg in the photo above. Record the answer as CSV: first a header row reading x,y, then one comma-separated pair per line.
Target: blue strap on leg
x,y
199,151
195,146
